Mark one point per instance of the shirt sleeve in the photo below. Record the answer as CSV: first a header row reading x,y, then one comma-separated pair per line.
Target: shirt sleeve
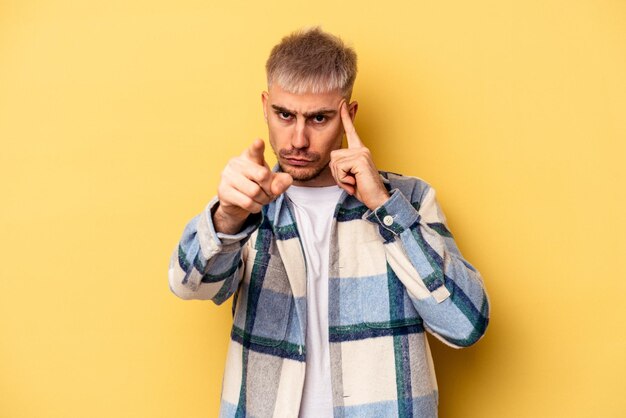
x,y
446,290
207,264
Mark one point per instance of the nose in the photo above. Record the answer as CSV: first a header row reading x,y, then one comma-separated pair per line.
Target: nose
x,y
300,137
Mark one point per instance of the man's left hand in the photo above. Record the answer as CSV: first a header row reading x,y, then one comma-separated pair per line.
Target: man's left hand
x,y
353,168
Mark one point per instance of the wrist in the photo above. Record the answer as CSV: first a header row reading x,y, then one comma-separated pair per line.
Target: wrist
x,y
379,200
227,223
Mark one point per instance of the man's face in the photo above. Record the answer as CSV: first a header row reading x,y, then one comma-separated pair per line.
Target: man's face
x,y
303,130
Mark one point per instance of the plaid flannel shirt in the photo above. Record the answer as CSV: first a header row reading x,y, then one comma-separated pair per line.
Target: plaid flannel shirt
x,y
393,273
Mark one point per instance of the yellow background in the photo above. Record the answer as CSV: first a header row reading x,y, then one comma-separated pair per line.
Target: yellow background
x,y
116,118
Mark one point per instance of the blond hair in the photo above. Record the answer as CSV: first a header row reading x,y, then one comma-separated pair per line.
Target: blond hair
x,y
312,61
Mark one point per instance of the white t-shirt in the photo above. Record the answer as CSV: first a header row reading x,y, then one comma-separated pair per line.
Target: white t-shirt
x,y
314,209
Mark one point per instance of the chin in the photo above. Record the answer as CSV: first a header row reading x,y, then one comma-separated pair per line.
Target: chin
x,y
302,174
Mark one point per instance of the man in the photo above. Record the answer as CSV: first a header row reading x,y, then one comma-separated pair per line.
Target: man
x,y
336,269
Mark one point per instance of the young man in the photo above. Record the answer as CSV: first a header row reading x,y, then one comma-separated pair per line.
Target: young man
x,y
336,268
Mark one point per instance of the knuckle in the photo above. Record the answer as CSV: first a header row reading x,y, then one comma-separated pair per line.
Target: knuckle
x,y
254,207
223,189
255,189
247,203
228,177
264,200
263,174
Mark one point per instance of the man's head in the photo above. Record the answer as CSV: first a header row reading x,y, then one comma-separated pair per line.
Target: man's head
x,y
312,61
309,74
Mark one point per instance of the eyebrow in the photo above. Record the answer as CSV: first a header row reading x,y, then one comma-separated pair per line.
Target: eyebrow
x,y
325,112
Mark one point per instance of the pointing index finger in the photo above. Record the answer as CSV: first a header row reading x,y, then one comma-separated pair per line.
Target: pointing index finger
x,y
255,152
351,136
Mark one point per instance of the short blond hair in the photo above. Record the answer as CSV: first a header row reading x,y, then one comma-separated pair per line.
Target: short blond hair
x,y
313,61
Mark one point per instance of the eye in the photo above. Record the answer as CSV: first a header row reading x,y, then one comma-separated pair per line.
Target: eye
x,y
284,115
319,118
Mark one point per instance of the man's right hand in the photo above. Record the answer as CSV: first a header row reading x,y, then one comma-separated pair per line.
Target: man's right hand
x,y
247,185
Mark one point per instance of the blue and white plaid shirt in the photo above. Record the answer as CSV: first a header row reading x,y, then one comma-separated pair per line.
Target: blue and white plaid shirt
x,y
393,273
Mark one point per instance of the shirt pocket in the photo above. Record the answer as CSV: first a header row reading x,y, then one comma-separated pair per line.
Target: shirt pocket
x,y
264,301
397,323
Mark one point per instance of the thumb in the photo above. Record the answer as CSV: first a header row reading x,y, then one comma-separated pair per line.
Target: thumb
x,y
280,183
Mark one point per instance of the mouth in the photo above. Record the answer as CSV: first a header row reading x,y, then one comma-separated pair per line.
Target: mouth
x,y
297,162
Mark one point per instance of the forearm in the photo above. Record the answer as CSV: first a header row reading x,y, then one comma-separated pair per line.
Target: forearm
x,y
207,264
450,296
446,290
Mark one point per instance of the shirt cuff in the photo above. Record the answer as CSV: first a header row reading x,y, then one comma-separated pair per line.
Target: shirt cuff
x,y
394,216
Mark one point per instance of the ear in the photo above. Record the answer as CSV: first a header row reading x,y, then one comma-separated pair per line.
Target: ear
x,y
265,101
352,108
